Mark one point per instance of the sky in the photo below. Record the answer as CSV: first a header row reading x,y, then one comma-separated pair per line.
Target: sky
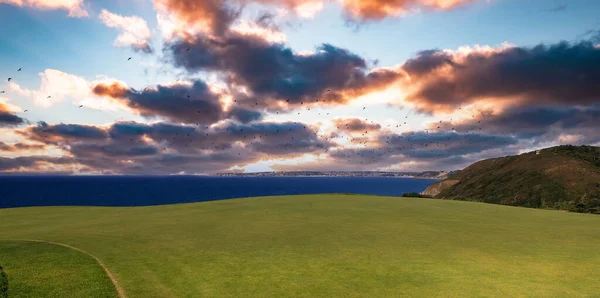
x,y
161,87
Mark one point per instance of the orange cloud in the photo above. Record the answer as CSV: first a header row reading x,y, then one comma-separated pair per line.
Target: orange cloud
x,y
188,17
114,90
380,9
208,16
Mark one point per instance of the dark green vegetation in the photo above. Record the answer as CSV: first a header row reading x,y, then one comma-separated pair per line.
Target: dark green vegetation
x,y
48,270
414,195
563,177
312,246
3,283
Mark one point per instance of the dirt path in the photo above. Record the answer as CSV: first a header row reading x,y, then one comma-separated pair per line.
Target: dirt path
x,y
120,291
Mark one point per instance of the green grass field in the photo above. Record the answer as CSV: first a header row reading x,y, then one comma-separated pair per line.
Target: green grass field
x,y
48,270
306,246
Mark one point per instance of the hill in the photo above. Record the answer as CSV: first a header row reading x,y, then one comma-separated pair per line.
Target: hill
x,y
563,177
306,246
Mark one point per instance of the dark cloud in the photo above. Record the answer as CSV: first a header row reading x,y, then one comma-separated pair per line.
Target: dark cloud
x,y
130,147
355,125
31,163
10,119
7,118
52,134
446,144
561,74
279,138
277,77
20,147
178,103
428,150
244,115
112,150
536,123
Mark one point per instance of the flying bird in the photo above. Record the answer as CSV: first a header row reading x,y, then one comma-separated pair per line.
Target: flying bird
x,y
81,106
128,58
19,69
9,79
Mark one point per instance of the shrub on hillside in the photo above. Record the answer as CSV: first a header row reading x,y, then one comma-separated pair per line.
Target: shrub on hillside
x,y
3,284
414,195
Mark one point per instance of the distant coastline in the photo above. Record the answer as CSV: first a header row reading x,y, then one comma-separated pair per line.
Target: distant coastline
x,y
414,175
434,175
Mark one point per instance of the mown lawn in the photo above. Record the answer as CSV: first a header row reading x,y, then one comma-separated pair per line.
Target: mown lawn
x,y
322,246
48,270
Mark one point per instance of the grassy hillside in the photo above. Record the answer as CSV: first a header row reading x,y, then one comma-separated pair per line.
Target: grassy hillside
x,y
564,177
323,246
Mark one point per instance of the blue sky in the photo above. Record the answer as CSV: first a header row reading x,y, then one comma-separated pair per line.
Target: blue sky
x,y
37,39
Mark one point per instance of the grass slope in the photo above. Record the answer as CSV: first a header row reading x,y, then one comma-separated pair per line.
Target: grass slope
x,y
48,270
327,246
563,177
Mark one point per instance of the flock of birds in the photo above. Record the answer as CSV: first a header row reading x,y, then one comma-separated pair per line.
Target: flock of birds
x,y
361,148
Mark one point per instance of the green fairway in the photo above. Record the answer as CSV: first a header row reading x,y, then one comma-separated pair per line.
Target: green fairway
x,y
48,270
312,246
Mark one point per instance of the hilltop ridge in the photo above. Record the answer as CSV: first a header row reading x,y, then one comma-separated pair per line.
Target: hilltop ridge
x,y
563,177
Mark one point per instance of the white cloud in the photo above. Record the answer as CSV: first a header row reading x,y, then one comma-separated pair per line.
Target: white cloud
x,y
308,10
246,27
57,86
135,30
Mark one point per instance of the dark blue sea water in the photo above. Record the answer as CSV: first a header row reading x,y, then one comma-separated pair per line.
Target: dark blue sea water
x,y
22,191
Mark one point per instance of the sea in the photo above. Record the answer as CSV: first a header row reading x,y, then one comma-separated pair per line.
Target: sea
x,y
27,191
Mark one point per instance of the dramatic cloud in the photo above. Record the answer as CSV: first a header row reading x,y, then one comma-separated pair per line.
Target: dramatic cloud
x,y
195,103
75,7
34,163
135,31
20,147
216,16
272,75
7,118
355,125
417,150
444,144
160,148
562,74
53,134
537,124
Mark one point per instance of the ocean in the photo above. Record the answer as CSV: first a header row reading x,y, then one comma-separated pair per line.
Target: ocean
x,y
25,191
